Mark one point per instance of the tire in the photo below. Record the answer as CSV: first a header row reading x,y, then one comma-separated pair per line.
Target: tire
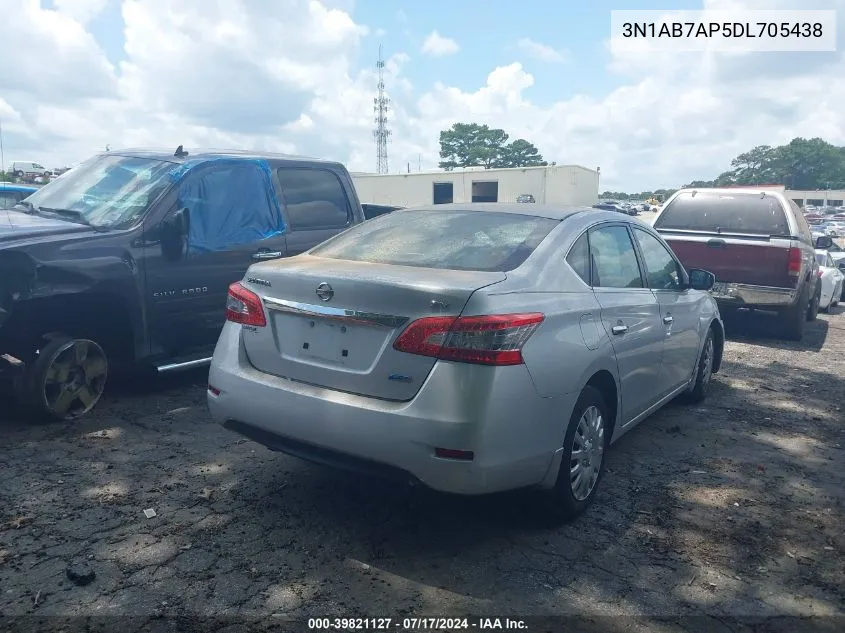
x,y
589,424
18,174
813,307
703,373
795,318
66,379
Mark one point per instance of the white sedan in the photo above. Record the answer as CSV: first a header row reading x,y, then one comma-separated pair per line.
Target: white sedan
x,y
831,279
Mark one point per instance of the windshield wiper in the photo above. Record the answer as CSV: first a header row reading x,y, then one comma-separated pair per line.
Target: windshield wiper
x,y
75,216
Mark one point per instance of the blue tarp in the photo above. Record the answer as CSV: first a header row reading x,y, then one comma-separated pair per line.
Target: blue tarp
x,y
230,203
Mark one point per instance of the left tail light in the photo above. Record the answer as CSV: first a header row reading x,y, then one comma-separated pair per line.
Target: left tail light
x,y
244,306
483,340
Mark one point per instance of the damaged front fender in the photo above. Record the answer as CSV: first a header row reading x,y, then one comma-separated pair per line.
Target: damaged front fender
x,y
18,275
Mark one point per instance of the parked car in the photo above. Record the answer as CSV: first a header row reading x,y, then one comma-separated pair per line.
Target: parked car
x,y
758,245
11,194
525,198
27,168
831,280
610,206
128,258
392,350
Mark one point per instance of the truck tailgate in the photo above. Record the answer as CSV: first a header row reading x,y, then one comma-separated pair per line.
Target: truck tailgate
x,y
747,260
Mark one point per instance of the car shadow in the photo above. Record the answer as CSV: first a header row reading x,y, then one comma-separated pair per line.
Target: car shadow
x,y
763,328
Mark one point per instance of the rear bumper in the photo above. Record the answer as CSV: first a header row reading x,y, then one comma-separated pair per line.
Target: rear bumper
x,y
752,296
494,412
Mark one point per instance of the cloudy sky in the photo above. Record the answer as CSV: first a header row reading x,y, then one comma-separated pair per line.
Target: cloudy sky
x,y
298,76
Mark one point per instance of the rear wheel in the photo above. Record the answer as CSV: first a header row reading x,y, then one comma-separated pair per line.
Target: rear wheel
x,y
66,379
703,373
813,308
582,464
795,318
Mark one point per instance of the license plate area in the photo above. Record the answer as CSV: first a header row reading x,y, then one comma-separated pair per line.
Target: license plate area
x,y
328,342
325,341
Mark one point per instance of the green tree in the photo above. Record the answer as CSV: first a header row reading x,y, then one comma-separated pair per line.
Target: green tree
x,y
473,145
521,153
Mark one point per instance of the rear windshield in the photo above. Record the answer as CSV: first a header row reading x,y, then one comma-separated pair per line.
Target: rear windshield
x,y
453,240
821,258
725,213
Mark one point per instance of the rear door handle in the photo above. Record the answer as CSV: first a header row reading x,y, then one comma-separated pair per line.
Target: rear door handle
x,y
667,320
265,254
619,329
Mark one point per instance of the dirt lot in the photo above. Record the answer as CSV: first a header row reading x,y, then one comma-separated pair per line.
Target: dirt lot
x,y
733,508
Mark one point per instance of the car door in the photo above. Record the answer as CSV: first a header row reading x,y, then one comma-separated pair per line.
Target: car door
x,y
315,204
680,308
234,220
630,315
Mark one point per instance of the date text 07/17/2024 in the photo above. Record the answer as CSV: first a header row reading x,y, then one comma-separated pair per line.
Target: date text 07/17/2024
x,y
415,624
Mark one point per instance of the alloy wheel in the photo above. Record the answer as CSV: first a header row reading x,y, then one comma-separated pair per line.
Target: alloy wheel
x,y
75,379
587,453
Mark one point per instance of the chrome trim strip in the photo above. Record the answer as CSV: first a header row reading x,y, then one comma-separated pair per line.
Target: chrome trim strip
x,y
190,364
337,314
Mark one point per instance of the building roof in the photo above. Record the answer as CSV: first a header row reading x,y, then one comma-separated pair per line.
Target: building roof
x,y
468,170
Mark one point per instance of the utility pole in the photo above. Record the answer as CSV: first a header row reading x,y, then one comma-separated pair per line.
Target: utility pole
x,y
381,105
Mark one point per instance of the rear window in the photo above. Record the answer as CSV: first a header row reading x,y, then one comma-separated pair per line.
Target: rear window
x,y
725,213
452,240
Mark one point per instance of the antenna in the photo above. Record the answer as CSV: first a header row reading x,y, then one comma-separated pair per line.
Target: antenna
x,y
381,105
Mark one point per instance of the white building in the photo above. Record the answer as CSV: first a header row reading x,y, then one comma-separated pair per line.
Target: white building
x,y
815,197
559,184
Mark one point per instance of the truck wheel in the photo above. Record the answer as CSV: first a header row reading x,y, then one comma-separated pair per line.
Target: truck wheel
x,y
813,308
67,378
795,318
18,174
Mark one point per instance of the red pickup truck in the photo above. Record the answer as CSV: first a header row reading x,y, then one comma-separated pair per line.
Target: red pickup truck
x,y
758,245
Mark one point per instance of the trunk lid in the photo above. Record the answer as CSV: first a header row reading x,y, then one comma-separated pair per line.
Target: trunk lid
x,y
760,261
342,338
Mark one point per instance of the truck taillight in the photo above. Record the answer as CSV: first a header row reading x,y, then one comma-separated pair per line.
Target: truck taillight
x,y
794,265
484,340
244,306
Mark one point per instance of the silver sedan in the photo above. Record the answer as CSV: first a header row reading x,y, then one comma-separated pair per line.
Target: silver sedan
x,y
472,348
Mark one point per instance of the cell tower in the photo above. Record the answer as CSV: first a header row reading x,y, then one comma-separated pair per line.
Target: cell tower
x,y
381,104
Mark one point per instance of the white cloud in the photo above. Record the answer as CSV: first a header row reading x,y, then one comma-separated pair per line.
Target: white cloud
x,y
254,74
542,52
83,11
437,46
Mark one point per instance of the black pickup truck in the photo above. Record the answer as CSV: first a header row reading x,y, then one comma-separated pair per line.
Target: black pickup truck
x,y
128,257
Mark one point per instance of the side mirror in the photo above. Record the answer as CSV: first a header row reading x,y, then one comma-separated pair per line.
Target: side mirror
x,y
824,242
701,279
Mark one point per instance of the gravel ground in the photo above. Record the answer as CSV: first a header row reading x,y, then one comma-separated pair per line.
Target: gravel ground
x,y
729,509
